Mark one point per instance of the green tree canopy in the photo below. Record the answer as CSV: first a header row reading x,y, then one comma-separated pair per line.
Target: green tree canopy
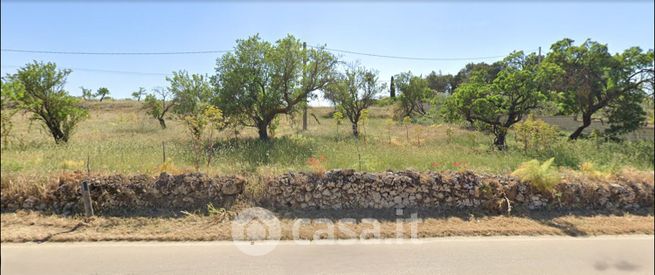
x,y
44,96
353,92
159,103
440,83
414,94
102,93
139,93
192,93
488,72
593,80
87,94
259,80
498,104
9,93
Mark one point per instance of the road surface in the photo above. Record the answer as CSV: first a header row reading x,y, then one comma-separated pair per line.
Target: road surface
x,y
465,255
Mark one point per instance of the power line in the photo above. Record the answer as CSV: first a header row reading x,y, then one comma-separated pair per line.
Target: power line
x,y
102,71
225,51
220,51
414,58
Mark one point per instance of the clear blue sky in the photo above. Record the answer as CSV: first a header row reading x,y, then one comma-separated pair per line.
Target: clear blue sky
x,y
419,29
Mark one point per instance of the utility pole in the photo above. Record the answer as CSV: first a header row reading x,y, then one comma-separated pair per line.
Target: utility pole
x,y
392,89
539,56
304,109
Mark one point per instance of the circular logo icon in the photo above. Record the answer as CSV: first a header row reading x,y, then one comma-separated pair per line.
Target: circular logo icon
x,y
256,231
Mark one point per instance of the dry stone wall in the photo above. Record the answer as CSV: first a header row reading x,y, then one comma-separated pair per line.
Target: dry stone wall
x,y
340,189
336,189
124,195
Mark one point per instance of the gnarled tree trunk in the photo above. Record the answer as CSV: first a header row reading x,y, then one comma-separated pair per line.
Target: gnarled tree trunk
x,y
262,130
355,130
586,121
56,132
162,123
500,134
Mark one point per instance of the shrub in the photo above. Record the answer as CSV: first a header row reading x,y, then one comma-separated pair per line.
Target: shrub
x,y
201,126
566,153
589,169
317,164
535,134
406,121
449,133
168,166
338,117
388,123
540,175
384,101
8,93
72,165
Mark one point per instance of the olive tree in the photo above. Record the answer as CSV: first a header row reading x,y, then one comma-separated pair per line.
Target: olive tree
x,y
139,94
414,94
353,91
44,96
87,94
9,92
191,92
260,80
159,103
487,72
595,80
495,106
102,93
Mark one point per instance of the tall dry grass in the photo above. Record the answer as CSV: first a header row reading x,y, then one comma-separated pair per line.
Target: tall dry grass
x,y
120,138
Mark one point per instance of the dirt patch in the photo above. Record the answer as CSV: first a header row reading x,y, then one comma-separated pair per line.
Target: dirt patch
x,y
26,226
141,195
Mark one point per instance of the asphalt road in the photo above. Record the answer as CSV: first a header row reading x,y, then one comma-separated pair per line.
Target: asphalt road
x,y
478,255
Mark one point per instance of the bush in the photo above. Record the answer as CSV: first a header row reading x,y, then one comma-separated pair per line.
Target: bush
x,y
609,156
590,170
535,134
540,175
384,101
8,93
317,164
201,125
566,153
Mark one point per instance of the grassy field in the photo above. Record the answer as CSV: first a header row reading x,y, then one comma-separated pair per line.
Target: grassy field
x,y
119,137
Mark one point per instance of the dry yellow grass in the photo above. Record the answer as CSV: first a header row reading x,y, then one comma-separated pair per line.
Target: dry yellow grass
x,y
25,227
119,137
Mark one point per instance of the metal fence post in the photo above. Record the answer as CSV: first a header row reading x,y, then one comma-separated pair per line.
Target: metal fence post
x,y
86,197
